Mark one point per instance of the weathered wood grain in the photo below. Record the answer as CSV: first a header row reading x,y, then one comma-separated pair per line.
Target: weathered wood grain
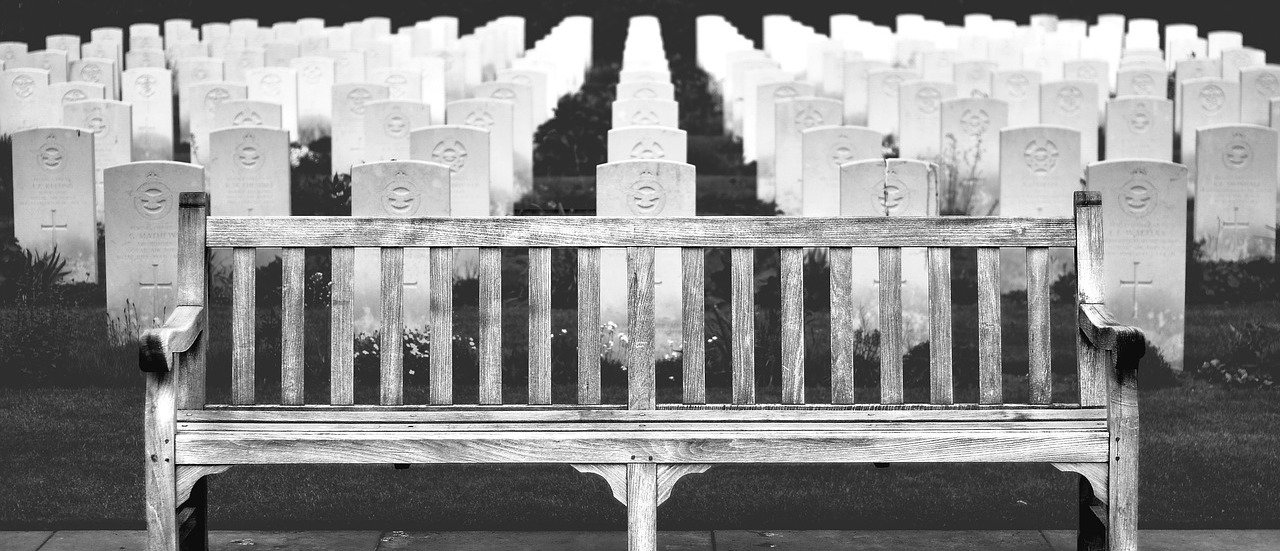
x,y
698,427
642,507
1089,281
179,333
440,378
614,475
193,266
743,307
990,377
1122,424
490,325
693,358
891,346
641,393
589,349
941,389
843,321
792,260
539,325
160,482
292,325
243,316
186,477
1039,351
391,341
341,327
767,446
592,231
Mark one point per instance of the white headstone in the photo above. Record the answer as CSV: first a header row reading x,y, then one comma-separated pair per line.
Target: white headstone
x,y
973,78
1235,207
139,59
540,99
1143,82
465,150
53,197
496,116
920,117
890,187
1074,104
825,150
203,100
645,112
26,101
63,93
248,172
793,116
1020,89
348,66
398,189
277,85
969,180
247,112
190,72
642,189
856,74
1144,226
1206,102
349,108
141,233
1040,170
150,92
111,124
315,97
387,124
1235,59
646,89
1258,86
759,130
646,143
54,61
1139,128
242,60
882,98
521,97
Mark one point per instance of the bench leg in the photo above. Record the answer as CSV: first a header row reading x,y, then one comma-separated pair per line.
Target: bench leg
x,y
642,507
159,468
194,518
1093,533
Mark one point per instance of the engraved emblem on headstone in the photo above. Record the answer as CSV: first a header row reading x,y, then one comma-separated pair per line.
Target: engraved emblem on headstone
x,y
247,118
1069,99
396,82
1212,98
96,122
400,197
644,118
396,125
248,154
312,73
647,196
356,99
200,74
929,100
1018,86
214,97
50,155
1041,157
1237,154
974,122
1268,85
784,92
1086,72
271,84
146,85
808,117
151,198
479,118
23,86
91,72
73,95
891,83
648,150
645,93
1143,84
1139,196
893,194
1140,120
522,79
452,154
842,153
503,93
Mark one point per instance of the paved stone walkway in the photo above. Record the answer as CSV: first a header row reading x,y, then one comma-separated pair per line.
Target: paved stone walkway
x,y
721,540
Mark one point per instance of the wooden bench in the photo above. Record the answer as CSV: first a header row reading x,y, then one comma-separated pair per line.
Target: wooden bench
x,y
641,448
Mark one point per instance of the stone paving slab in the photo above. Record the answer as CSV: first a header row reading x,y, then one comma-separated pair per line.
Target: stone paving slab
x,y
1185,540
881,540
96,540
23,541
294,541
536,541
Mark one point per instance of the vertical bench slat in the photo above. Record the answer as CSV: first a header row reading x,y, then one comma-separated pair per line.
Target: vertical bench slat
x,y
440,379
539,325
792,325
242,325
744,325
192,290
842,343
1090,363
490,325
390,345
341,329
693,358
1039,353
891,325
292,325
641,393
589,325
940,385
989,368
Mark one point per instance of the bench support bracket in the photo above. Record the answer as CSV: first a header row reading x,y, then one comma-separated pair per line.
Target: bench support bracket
x,y
616,476
189,475
1095,473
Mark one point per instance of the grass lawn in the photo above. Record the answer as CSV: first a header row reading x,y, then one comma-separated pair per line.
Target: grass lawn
x,y
1211,458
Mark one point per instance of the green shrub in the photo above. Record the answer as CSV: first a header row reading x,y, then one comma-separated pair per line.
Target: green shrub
x,y
1253,351
1220,281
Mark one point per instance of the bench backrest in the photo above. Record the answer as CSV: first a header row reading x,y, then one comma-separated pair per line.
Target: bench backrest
x,y
639,236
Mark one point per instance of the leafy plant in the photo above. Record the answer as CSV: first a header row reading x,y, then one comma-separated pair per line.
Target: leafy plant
x,y
1252,360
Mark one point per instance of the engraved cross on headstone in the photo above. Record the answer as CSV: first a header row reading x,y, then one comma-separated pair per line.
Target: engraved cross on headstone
x,y
1232,226
1135,283
53,227
153,287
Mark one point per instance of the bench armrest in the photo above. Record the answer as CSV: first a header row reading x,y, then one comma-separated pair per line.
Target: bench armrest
x,y
1102,331
179,332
